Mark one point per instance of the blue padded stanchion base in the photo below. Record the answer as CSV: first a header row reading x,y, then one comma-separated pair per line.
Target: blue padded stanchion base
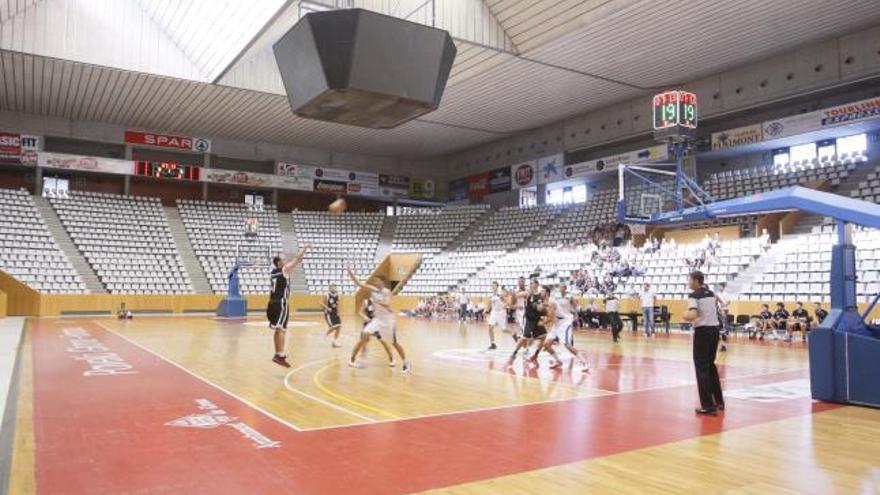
x,y
232,306
844,367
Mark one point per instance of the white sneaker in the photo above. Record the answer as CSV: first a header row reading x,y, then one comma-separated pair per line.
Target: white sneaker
x,y
335,345
352,364
406,367
392,364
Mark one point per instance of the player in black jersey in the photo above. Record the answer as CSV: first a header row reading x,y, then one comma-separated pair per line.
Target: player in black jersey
x,y
278,310
799,322
532,329
331,314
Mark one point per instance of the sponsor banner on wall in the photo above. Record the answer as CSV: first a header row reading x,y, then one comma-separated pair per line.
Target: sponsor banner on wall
x,y
458,190
330,186
85,163
849,113
18,148
158,140
741,136
657,153
499,180
550,168
790,126
478,186
393,185
293,182
252,179
523,175
421,189
303,177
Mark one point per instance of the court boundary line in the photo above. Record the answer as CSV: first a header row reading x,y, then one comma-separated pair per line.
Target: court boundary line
x,y
372,421
540,402
322,401
202,379
9,419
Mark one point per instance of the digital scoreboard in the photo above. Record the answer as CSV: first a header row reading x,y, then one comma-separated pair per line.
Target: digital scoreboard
x,y
167,170
675,109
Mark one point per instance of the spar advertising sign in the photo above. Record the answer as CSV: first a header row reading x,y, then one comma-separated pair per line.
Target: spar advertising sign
x,y
171,141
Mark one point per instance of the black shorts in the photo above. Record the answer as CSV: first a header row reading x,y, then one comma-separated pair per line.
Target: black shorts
x,y
277,312
332,319
533,330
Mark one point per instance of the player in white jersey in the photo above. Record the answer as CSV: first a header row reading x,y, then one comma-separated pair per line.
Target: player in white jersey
x,y
382,322
497,313
521,292
564,310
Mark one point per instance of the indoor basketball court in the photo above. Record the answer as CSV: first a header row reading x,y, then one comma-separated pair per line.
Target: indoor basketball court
x,y
439,246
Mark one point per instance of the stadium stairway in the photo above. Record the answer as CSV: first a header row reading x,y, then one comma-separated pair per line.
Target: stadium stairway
x,y
386,238
466,233
760,266
523,245
191,264
62,238
291,245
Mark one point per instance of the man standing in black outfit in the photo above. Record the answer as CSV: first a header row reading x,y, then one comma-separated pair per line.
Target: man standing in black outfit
x,y
277,311
703,314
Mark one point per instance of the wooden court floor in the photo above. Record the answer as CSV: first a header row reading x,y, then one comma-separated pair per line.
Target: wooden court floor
x,y
194,405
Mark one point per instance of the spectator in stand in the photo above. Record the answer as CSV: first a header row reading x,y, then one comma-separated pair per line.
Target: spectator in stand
x,y
647,300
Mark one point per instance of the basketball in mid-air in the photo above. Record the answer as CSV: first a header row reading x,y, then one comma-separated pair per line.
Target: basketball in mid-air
x,y
338,206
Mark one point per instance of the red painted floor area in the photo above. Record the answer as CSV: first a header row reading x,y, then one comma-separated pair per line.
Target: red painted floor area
x,y
112,418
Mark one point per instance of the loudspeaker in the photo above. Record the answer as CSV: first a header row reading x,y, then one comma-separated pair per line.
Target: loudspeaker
x,y
361,68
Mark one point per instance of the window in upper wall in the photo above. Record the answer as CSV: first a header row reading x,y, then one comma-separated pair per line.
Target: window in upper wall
x,y
554,197
852,145
802,152
826,150
527,198
781,159
579,194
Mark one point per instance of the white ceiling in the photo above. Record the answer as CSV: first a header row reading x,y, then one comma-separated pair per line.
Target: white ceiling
x,y
521,63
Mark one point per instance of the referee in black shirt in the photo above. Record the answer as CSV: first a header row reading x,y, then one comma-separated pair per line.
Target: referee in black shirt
x,y
703,314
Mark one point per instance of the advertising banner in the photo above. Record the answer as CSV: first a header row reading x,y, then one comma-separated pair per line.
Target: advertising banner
x,y
252,179
18,148
303,178
421,189
478,186
790,126
741,136
172,141
85,163
523,175
656,153
499,180
330,186
550,168
458,190
852,112
393,185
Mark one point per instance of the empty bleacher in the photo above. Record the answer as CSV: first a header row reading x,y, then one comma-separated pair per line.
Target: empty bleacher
x,y
126,240
27,250
803,270
429,231
744,181
338,240
216,231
